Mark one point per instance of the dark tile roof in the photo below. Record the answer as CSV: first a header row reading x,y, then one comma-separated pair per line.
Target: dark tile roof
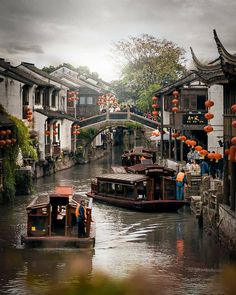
x,y
5,121
54,114
88,91
44,74
12,75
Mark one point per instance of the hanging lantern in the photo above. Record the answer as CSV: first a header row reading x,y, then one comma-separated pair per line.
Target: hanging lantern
x,y
218,156
233,140
155,106
203,152
232,154
155,98
188,142
175,101
183,138
55,132
175,93
209,116
77,132
2,142
233,108
155,133
78,126
8,131
208,128
175,109
211,156
8,141
47,132
209,103
154,113
193,143
13,140
234,124
3,132
198,148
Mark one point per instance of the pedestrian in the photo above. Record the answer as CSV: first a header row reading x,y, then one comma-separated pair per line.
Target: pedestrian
x,y
195,168
204,167
80,214
220,168
180,183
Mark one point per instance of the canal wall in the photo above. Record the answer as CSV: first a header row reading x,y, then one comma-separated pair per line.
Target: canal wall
x,y
216,218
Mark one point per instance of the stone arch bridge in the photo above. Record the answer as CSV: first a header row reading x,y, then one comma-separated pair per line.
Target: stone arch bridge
x,y
115,119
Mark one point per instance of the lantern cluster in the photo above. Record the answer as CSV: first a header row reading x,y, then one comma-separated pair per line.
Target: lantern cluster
x,y
75,129
155,107
214,156
72,95
208,104
55,128
175,101
107,99
6,138
29,115
156,133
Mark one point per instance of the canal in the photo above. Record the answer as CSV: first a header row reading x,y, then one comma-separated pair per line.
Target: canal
x,y
168,249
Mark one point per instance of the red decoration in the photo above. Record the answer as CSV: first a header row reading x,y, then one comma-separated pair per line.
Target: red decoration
x,y
13,140
183,138
211,156
2,142
203,152
209,103
175,93
218,156
198,148
227,151
47,132
175,101
234,124
175,109
233,140
155,106
155,98
209,116
155,113
8,141
3,132
193,143
188,142
233,108
208,128
8,131
175,135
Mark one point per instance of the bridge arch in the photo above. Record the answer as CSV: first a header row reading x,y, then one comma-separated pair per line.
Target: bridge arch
x,y
108,120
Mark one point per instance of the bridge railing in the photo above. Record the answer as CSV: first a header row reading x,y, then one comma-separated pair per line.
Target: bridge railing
x,y
119,116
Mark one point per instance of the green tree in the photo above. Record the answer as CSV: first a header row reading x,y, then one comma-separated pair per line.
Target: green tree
x,y
146,61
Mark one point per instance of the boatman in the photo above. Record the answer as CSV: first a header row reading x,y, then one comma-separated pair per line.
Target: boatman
x,y
180,182
80,214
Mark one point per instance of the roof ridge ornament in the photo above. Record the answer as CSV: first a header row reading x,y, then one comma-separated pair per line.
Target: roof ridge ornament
x,y
224,54
204,67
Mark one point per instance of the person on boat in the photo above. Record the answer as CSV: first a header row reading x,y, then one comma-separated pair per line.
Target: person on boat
x,y
180,182
80,214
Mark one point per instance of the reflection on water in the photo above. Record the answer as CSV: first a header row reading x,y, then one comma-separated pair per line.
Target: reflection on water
x,y
171,246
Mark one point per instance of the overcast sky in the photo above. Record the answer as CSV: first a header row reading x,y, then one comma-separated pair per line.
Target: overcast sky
x,y
81,32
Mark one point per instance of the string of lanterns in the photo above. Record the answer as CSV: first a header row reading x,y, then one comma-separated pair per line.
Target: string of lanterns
x,y
175,101
29,114
107,99
75,129
208,104
73,95
155,107
6,138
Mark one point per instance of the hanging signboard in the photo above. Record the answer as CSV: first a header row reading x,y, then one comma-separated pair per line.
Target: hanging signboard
x,y
194,119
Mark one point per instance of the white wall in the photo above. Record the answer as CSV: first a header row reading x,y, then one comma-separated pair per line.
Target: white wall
x,y
11,96
215,93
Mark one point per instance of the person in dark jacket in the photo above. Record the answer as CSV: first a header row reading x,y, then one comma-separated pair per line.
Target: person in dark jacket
x,y
204,167
80,216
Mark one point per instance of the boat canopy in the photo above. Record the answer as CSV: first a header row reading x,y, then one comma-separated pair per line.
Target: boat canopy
x,y
122,177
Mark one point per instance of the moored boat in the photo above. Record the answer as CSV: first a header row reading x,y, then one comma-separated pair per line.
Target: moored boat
x,y
138,192
51,221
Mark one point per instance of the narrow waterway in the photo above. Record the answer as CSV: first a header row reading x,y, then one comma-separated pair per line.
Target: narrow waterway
x,y
169,249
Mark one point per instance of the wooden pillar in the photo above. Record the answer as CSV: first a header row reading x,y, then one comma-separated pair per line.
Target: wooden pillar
x,y
170,142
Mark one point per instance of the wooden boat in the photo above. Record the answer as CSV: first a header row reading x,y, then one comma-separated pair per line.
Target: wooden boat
x,y
51,221
138,192
138,155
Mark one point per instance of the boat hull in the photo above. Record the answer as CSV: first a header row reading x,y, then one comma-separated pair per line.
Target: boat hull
x,y
144,206
58,242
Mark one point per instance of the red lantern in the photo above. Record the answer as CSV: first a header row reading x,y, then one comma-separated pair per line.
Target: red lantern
x,y
155,98
211,156
47,132
155,133
8,131
209,116
209,103
78,126
2,142
234,124
13,140
203,152
233,108
188,142
3,132
175,93
8,141
77,132
155,106
198,148
233,140
30,119
208,128
175,109
193,143
175,101
218,156
54,132
183,138
155,113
